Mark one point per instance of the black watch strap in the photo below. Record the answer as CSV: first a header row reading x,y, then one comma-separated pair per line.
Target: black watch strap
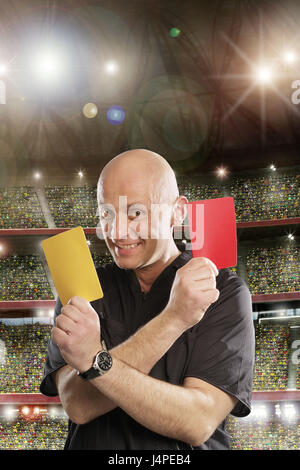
x,y
92,373
95,370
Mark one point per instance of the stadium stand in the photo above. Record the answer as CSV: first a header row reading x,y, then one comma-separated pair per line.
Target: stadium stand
x,y
256,198
71,206
39,433
23,278
272,354
273,270
24,346
266,198
195,192
100,260
20,208
271,431
23,351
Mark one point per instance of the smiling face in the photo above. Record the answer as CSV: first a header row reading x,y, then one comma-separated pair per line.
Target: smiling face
x,y
132,233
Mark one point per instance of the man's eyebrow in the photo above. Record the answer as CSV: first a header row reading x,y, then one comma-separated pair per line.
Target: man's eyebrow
x,y
128,205
136,202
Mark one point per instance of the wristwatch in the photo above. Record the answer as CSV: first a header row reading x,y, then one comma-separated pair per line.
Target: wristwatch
x,y
102,363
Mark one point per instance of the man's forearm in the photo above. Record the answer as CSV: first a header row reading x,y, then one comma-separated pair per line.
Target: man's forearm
x,y
142,351
174,411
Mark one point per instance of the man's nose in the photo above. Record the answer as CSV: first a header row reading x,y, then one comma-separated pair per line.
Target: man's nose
x,y
120,227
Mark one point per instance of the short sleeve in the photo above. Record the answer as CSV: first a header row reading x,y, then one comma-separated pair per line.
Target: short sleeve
x,y
54,361
224,346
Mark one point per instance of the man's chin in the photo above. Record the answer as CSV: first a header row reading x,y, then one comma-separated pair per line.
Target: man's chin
x,y
126,262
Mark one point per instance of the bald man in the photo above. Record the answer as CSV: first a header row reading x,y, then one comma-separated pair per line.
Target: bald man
x,y
168,353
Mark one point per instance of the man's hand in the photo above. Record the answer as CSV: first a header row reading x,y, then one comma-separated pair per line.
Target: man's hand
x,y
193,291
77,333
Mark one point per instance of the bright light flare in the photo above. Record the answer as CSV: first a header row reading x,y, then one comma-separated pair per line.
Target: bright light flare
x,y
260,411
111,68
263,74
3,69
25,410
289,57
221,172
48,66
288,411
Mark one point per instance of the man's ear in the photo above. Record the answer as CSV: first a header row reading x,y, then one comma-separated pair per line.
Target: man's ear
x,y
179,211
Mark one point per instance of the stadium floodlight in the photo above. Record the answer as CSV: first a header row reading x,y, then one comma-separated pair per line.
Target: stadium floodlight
x,y
88,242
36,410
260,411
1,248
277,410
272,167
263,74
3,69
48,65
111,67
289,57
221,172
10,412
288,411
52,411
80,174
290,236
25,410
37,175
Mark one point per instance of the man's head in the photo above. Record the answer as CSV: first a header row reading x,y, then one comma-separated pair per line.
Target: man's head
x,y
149,207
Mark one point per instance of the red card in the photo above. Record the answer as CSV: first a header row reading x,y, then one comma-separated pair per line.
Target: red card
x,y
212,229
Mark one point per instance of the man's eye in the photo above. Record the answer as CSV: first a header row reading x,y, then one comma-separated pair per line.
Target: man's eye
x,y
106,214
136,213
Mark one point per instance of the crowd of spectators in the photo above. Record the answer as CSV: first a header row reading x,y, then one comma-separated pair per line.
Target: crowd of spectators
x,y
197,192
44,432
101,259
23,350
272,270
269,197
270,432
266,198
40,433
20,208
23,278
71,206
22,357
271,357
256,198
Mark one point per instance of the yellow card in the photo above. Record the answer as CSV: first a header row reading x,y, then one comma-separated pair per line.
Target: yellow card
x,y
71,266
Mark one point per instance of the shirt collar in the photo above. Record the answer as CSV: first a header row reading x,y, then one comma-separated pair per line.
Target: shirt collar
x,y
181,259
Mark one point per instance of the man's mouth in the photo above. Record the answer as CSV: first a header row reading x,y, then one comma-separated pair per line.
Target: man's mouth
x,y
128,246
126,249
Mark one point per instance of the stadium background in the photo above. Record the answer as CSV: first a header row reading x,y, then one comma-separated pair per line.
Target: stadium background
x,y
209,87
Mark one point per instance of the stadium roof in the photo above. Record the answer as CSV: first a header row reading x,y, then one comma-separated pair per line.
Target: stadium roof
x,y
182,72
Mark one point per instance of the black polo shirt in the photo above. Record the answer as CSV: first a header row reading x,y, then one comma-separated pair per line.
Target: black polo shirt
x,y
218,350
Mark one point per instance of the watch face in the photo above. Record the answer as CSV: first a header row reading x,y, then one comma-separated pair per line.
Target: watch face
x,y
104,361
